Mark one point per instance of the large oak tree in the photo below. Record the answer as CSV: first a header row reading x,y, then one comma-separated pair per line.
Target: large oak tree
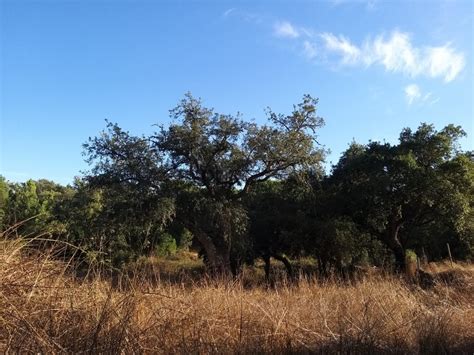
x,y
208,161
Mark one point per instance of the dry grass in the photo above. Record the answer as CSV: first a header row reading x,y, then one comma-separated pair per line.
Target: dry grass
x,y
43,309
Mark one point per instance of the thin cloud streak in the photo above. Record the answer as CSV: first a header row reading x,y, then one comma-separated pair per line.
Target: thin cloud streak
x,y
286,30
369,4
228,12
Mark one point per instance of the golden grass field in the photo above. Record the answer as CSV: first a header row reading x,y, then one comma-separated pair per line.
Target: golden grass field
x,y
45,309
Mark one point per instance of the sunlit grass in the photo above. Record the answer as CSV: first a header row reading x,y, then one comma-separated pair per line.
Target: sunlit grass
x,y
45,309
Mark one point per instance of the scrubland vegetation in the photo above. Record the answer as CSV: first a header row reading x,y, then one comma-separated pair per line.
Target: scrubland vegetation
x,y
45,308
219,235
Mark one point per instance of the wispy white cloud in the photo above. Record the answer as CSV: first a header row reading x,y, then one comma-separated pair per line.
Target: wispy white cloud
x,y
228,12
432,102
412,93
369,4
309,49
246,16
350,54
397,54
445,61
285,29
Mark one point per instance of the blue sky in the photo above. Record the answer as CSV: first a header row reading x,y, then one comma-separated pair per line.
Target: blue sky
x,y
376,67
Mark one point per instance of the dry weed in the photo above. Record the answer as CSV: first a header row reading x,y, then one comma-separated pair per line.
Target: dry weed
x,y
44,309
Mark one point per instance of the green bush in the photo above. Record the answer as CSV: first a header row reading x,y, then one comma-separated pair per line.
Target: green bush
x,y
410,256
185,240
167,245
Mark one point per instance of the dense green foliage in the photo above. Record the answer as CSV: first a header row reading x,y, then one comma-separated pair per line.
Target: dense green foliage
x,y
237,191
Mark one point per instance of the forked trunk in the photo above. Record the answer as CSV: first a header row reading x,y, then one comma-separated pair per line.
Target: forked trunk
x,y
280,257
393,242
286,262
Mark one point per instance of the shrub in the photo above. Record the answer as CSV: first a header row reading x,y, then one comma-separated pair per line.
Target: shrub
x,y
167,245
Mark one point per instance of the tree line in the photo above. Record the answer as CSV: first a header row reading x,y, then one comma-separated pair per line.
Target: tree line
x,y
237,191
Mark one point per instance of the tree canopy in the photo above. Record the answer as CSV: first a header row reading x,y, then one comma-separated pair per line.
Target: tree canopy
x,y
392,189
218,157
236,191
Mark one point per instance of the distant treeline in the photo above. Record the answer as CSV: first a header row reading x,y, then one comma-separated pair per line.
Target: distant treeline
x,y
237,191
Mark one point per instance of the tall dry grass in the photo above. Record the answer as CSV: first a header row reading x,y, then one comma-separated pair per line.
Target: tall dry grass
x,y
44,308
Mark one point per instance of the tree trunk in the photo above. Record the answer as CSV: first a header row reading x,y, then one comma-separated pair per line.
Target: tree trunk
x,y
266,259
286,262
236,265
394,244
218,258
224,265
322,266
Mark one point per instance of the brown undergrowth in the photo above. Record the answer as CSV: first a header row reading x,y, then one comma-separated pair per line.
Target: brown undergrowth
x,y
45,309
